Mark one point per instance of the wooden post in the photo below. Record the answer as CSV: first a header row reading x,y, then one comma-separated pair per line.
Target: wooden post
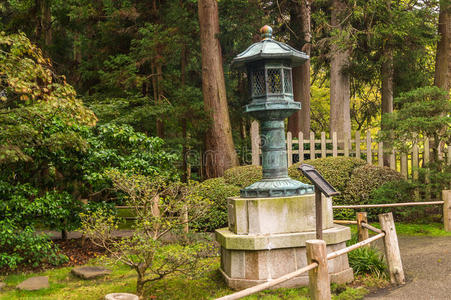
x,y
301,147
404,168
319,214
357,144
289,148
392,253
393,160
185,219
319,281
415,166
347,143
334,144
447,210
312,145
255,143
362,232
380,154
369,154
426,157
323,144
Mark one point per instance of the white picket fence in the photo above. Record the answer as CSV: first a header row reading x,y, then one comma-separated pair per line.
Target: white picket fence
x,y
361,146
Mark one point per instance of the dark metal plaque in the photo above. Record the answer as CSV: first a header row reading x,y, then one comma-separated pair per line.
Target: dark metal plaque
x,y
325,187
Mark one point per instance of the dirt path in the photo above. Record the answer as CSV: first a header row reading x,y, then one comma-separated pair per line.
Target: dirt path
x,y
427,264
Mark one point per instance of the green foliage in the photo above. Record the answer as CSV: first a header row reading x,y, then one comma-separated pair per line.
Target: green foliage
x,y
22,246
120,147
366,260
22,210
216,190
243,176
365,180
336,170
162,208
424,112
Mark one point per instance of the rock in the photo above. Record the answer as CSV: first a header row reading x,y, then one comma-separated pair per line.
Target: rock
x,y
34,283
2,285
90,272
121,296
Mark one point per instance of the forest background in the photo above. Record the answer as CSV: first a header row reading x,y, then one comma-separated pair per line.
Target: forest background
x,y
140,62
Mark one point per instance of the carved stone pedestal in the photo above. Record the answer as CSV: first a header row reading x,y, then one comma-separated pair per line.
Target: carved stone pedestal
x,y
266,239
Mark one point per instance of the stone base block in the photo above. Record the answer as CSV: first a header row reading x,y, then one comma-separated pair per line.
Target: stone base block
x,y
245,268
251,216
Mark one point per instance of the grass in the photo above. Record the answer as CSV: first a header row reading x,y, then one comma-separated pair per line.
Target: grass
x,y
208,285
409,229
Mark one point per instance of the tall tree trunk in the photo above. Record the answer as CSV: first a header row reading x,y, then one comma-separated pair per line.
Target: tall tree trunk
x,y
340,118
300,120
186,173
442,76
387,95
443,55
43,29
220,151
46,22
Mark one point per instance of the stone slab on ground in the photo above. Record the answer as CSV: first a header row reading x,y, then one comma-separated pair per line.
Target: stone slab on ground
x,y
34,283
2,285
427,264
121,296
90,272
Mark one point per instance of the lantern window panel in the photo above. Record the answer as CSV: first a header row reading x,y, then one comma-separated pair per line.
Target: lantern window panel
x,y
288,83
274,79
258,83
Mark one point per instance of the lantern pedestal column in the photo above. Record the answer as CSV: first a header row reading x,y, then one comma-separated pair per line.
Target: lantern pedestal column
x,y
266,239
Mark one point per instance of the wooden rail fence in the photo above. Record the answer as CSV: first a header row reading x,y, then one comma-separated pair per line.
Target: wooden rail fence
x,y
361,146
361,217
317,257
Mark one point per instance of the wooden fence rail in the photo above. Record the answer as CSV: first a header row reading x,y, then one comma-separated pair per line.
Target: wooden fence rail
x,y
361,146
361,217
317,257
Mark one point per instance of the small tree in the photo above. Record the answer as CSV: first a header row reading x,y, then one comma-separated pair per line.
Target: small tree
x,y
153,249
424,112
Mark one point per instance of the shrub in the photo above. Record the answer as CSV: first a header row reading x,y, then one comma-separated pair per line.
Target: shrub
x,y
365,180
336,170
243,176
23,246
216,190
160,206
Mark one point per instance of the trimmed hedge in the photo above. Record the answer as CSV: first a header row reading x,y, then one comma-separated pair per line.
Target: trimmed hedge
x,y
243,176
358,183
336,170
365,180
217,191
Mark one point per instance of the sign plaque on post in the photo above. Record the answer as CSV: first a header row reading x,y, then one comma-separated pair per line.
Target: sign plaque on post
x,y
321,187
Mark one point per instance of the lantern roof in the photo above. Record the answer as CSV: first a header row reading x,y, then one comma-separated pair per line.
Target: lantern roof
x,y
269,48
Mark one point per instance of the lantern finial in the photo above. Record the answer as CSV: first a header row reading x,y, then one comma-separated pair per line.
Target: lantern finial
x,y
266,32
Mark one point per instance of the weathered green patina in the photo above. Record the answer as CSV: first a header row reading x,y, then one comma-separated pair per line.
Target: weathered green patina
x,y
268,64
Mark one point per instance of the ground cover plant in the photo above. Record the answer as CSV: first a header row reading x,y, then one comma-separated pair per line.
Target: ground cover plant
x,y
208,285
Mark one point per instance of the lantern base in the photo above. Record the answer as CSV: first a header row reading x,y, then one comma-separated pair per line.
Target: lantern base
x,y
278,187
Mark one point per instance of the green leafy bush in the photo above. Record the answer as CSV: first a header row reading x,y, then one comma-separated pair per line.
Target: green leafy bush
x,y
243,176
23,206
216,190
365,180
336,170
23,246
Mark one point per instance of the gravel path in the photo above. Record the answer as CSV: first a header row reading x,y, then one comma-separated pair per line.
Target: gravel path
x,y
427,264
